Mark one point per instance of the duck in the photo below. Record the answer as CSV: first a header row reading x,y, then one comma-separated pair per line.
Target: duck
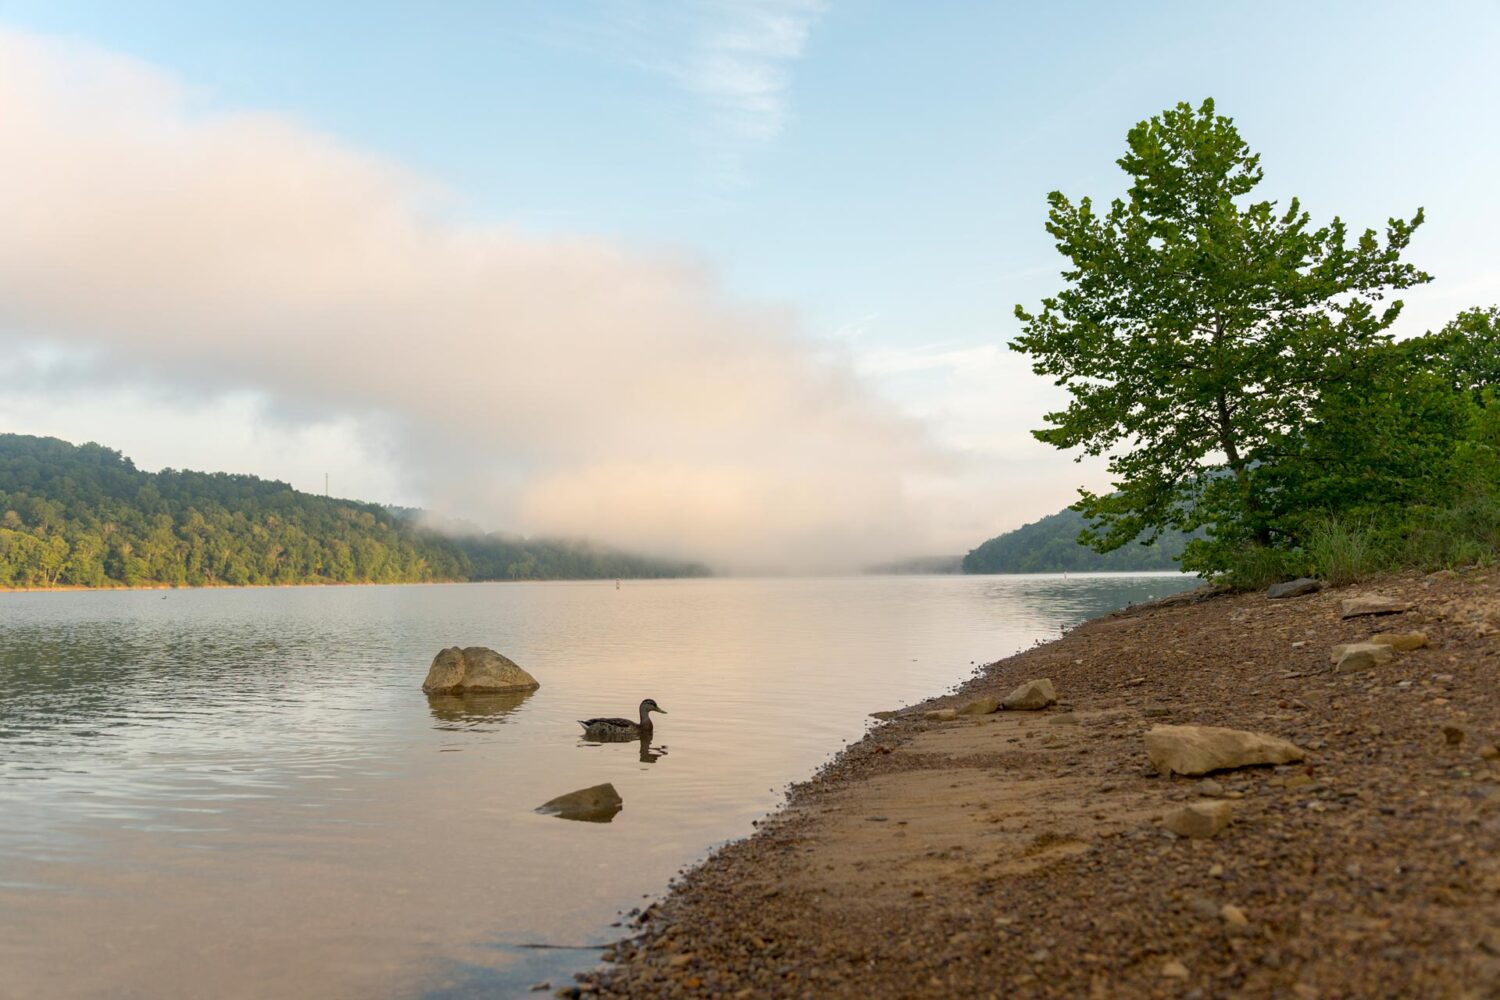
x,y
617,728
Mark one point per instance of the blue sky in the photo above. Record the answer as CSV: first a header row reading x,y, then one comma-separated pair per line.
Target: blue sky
x,y
874,171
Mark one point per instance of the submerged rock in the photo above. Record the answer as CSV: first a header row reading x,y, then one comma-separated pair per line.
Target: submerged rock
x,y
1201,749
1293,588
597,804
1372,604
475,670
1031,696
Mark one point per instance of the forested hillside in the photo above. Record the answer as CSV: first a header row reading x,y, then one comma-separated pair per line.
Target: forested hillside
x,y
1051,546
86,516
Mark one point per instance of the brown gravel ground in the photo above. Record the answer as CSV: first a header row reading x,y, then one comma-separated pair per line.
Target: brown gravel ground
x,y
1021,854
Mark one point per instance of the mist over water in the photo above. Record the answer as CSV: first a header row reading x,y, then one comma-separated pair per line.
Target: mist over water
x,y
542,385
245,793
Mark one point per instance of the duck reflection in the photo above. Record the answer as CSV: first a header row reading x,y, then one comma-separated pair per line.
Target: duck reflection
x,y
474,711
650,752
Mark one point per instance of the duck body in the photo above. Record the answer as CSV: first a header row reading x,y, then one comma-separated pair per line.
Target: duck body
x,y
616,728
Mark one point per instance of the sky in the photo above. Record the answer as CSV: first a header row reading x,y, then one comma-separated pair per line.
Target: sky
x,y
731,280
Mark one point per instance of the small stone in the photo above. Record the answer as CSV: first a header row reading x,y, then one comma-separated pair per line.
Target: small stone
x,y
538,987
1136,681
1031,696
1174,969
1233,915
1371,604
1201,749
1210,787
1491,752
980,706
1215,871
1297,781
1454,735
1362,656
1306,992
1199,819
1064,719
941,715
1293,588
884,716
1156,711
680,961
1401,642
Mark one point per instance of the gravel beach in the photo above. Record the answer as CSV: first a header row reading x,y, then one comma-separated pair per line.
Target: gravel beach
x,y
1026,853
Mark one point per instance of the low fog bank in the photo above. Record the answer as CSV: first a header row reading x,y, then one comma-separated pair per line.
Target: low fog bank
x,y
544,387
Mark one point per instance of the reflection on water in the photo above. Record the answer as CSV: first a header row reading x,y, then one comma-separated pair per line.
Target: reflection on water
x,y
474,711
246,794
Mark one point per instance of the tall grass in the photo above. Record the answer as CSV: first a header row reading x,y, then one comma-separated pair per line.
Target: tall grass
x,y
1345,551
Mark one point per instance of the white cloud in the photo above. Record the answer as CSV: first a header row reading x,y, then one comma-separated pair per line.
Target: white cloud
x,y
543,385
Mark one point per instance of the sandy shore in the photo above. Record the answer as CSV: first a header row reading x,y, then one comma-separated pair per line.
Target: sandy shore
x,y
1021,854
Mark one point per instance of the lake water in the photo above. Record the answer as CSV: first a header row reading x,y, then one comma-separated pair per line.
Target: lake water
x,y
237,793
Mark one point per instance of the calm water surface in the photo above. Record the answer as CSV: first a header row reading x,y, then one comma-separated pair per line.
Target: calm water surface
x,y
240,793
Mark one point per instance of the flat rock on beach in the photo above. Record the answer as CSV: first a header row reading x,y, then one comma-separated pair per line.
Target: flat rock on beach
x,y
1018,857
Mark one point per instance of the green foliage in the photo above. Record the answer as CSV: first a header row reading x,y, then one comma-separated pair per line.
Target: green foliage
x,y
1051,545
85,516
1343,551
1199,331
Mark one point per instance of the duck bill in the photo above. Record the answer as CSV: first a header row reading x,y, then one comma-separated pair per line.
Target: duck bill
x,y
661,711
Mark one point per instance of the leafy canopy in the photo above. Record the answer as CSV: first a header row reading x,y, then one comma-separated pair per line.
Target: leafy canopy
x,y
1198,329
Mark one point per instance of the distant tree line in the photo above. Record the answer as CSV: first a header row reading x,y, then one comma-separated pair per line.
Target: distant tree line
x,y
85,516
1051,545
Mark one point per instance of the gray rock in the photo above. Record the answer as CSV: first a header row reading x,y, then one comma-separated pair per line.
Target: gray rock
x,y
1031,696
475,670
597,804
980,706
1372,604
1294,588
1201,749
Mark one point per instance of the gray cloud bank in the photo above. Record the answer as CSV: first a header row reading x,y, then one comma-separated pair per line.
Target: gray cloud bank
x,y
540,385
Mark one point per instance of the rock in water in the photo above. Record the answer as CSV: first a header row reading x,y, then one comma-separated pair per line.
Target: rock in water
x,y
475,670
1294,588
1201,749
1031,696
1372,604
1200,819
1362,656
980,706
598,804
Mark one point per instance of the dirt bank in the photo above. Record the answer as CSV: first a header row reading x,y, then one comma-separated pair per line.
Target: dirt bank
x,y
1022,854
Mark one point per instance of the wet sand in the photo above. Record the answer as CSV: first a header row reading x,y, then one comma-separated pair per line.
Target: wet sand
x,y
1022,854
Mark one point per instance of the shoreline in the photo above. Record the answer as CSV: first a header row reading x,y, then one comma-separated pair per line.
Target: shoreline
x,y
1022,854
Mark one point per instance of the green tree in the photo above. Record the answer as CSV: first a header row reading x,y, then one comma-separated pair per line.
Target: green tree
x,y
1198,330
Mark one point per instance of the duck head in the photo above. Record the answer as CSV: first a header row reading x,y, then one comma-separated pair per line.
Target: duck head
x,y
650,705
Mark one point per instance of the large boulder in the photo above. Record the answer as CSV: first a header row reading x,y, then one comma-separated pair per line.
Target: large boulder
x,y
1201,749
475,670
1031,696
596,804
1293,588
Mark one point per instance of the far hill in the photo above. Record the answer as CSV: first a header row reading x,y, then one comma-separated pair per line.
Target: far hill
x,y
85,516
1051,546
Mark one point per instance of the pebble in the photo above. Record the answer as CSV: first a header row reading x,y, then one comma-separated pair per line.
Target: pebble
x,y
1174,969
1233,915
